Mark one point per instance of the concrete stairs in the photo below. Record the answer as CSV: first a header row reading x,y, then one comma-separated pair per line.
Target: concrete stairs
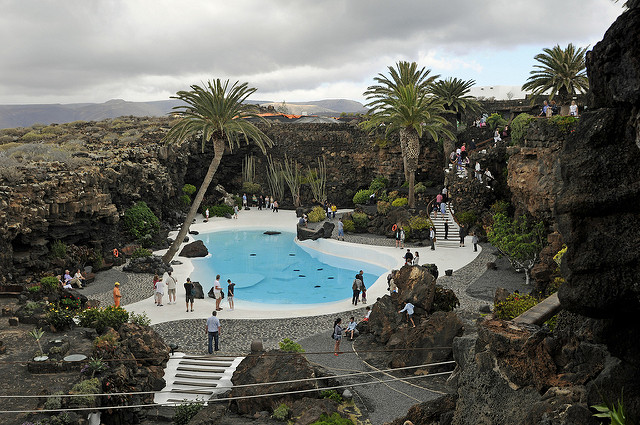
x,y
438,222
196,378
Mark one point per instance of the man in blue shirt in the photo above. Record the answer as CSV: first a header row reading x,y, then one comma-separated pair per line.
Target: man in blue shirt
x,y
214,329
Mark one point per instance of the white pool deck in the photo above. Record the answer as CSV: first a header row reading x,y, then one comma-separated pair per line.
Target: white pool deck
x,y
386,257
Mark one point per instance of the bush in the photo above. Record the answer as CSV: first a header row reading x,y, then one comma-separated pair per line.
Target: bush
x,y
53,403
467,218
564,123
186,411
69,302
141,252
103,318
188,189
392,195
251,188
500,207
105,345
49,283
420,188
495,120
220,210
281,413
514,306
362,196
88,386
444,299
348,226
140,319
334,419
290,346
317,214
140,221
519,126
379,183
418,222
383,207
331,395
58,249
399,202
185,200
60,318
95,366
33,289
360,221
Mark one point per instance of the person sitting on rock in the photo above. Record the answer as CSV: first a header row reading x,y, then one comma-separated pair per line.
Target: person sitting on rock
x,y
67,279
63,284
408,257
351,330
367,314
80,277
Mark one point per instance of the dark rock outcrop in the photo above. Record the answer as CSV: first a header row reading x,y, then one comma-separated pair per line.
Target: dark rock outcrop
x,y
151,264
198,289
194,249
325,231
433,412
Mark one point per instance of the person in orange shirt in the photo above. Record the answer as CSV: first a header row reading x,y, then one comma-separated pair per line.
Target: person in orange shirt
x,y
116,294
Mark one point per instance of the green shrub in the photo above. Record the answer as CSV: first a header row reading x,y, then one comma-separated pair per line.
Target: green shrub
x,y
564,123
88,386
495,120
444,299
382,143
362,196
60,318
70,303
105,345
405,184
418,222
281,413
33,289
102,318
317,214
33,306
467,218
348,226
334,419
139,319
331,395
186,411
188,189
519,126
420,188
290,346
392,195
399,202
379,183
53,403
49,283
360,221
58,249
140,221
220,210
514,306
141,252
185,200
383,207
251,188
500,207
95,366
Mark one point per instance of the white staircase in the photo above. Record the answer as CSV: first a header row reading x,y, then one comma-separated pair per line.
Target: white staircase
x,y
196,378
438,220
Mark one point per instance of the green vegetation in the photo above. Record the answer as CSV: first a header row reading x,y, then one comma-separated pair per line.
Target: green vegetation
x,y
290,346
331,395
186,411
139,319
519,240
185,200
251,188
281,413
420,187
60,318
37,334
399,202
141,252
141,222
362,196
334,419
49,283
500,207
215,113
467,218
514,306
33,289
564,124
519,126
349,226
105,345
495,121
103,318
383,207
58,249
220,210
188,189
317,179
360,221
379,183
317,214
613,411
95,366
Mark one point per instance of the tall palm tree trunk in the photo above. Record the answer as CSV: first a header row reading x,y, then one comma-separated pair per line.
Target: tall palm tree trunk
x,y
410,137
218,146
403,152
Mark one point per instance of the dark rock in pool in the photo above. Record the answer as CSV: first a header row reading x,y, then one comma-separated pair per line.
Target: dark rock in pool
x,y
194,232
271,232
194,249
330,277
320,269
301,275
292,255
317,286
252,255
296,270
324,232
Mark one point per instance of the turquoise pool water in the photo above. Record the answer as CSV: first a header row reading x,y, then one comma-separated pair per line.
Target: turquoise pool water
x,y
272,269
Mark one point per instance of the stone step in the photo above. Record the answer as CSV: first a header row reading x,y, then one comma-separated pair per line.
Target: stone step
x,y
199,369
186,375
196,384
194,392
199,363
210,358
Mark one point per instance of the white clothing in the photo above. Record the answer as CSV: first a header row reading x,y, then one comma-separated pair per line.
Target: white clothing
x,y
408,308
169,281
160,287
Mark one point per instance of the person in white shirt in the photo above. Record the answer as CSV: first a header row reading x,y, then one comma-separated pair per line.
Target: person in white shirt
x,y
351,329
408,308
217,292
170,283
159,292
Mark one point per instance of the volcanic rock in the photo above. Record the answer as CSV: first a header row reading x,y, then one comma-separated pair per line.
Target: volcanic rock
x,y
194,249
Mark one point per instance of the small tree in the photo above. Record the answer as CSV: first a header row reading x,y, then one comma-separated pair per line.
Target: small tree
x,y
518,240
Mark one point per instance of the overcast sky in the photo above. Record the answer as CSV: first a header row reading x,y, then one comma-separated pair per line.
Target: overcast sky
x,y
70,51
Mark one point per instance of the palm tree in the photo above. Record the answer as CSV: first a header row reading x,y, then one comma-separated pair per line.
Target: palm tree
x,y
453,93
561,71
214,113
403,103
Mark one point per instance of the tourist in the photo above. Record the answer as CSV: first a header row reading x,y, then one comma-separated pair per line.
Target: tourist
x,y
416,259
217,292
364,290
367,314
438,202
496,136
432,237
472,145
408,308
334,209
68,280
170,282
266,202
190,293
474,241
478,171
254,200
214,330
445,194
64,285
271,201
443,208
505,131
159,292
328,209
351,328
337,335
462,233
463,151
554,108
78,276
206,215
356,286
391,284
260,202
156,278
398,235
549,112
573,109
408,257
275,206
340,229
244,201
543,112
235,211
116,295
402,236
302,222
446,228
230,293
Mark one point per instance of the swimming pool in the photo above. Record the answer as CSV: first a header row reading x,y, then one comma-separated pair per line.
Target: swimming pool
x,y
273,269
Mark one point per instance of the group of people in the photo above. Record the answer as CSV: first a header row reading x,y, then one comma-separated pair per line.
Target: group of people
x,y
359,289
76,281
266,202
350,331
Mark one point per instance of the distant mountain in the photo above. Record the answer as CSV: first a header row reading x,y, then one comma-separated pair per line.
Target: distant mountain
x,y
27,115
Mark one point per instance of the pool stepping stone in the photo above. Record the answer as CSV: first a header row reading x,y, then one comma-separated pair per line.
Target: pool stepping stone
x,y
196,378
